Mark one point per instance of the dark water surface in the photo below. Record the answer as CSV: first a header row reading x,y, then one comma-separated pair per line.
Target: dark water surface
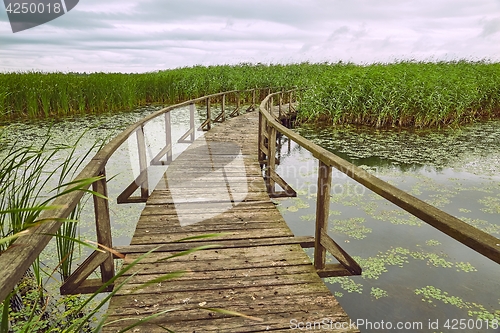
x,y
412,273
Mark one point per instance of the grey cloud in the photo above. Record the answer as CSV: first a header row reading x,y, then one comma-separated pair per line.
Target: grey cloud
x,y
491,27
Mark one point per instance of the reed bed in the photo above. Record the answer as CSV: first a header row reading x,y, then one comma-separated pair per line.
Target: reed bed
x,y
405,94
399,94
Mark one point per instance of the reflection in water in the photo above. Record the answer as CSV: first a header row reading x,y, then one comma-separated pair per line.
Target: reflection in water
x,y
411,271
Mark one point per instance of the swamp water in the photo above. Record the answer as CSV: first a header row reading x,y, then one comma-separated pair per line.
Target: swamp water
x,y
411,271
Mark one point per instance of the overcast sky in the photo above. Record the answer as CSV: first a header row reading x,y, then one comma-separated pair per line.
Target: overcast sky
x,y
150,35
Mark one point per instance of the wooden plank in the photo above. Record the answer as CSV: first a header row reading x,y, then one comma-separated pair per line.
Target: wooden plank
x,y
264,252
206,228
270,322
207,276
221,283
229,216
304,241
236,295
279,231
258,307
199,265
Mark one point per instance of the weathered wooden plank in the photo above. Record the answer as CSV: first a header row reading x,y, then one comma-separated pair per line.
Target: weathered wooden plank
x,y
198,196
221,283
278,252
240,234
211,228
256,304
228,216
270,322
199,276
207,265
304,241
205,207
235,295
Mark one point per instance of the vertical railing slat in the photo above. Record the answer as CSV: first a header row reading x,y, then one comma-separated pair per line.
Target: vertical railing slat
x,y
209,115
322,212
143,163
103,225
168,136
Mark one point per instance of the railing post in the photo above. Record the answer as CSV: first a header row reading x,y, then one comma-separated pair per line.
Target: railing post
x,y
253,98
261,140
103,225
280,101
271,160
168,138
322,212
223,107
209,115
191,120
143,164
238,102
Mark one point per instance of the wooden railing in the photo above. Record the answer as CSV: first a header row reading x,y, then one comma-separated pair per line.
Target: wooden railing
x,y
16,260
270,124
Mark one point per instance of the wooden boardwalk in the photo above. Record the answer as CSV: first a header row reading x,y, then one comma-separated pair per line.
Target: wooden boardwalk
x,y
258,267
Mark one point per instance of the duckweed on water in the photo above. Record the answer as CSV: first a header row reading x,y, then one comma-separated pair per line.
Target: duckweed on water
x,y
378,293
352,227
432,242
431,294
374,267
492,204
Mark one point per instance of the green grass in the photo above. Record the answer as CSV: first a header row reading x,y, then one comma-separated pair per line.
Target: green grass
x,y
399,94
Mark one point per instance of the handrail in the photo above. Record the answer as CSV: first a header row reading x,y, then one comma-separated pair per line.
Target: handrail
x,y
466,234
16,259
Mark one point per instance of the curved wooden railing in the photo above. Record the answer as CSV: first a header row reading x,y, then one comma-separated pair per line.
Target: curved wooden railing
x,y
270,125
16,260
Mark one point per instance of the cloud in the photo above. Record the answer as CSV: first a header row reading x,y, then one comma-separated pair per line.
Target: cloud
x,y
125,35
491,27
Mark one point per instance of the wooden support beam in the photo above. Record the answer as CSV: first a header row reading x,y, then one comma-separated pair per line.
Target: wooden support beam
x,y
167,150
288,191
332,270
334,249
75,280
126,195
